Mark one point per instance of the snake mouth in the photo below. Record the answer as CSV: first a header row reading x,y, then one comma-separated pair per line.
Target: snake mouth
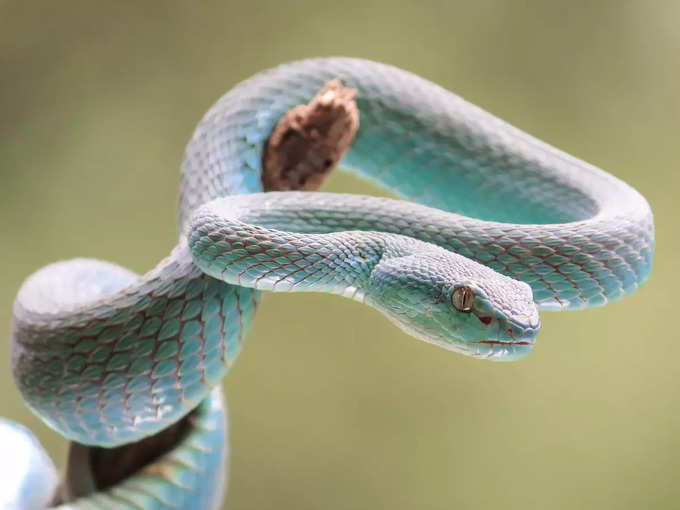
x,y
511,339
501,342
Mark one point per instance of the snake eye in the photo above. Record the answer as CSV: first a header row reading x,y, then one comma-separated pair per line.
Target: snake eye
x,y
462,299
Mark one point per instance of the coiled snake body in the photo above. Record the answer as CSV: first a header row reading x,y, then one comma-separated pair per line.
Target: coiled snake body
x,y
497,225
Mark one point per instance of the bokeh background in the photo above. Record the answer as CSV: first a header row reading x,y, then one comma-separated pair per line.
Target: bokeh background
x,y
331,406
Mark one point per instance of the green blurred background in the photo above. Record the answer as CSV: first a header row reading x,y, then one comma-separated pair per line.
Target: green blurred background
x,y
331,406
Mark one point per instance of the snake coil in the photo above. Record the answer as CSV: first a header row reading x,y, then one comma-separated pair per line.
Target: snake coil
x,y
496,225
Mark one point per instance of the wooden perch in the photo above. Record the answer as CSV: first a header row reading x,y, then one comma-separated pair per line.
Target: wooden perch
x,y
309,140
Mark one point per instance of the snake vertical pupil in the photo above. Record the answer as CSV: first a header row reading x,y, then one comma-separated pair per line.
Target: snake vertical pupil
x,y
462,299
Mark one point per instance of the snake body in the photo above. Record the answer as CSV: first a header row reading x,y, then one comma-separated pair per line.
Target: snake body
x,y
497,224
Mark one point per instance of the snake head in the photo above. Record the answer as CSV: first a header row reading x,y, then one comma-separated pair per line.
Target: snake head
x,y
451,301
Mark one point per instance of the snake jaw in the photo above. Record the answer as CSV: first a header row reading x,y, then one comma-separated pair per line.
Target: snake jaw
x,y
512,340
509,333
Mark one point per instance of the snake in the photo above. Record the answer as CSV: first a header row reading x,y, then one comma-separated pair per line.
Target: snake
x,y
486,225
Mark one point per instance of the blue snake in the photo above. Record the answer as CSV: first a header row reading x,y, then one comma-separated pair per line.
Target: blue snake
x,y
489,226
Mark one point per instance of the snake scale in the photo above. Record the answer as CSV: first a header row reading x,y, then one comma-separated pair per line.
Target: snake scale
x,y
495,225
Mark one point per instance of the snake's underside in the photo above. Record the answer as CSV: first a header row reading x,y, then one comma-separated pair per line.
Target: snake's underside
x,y
496,225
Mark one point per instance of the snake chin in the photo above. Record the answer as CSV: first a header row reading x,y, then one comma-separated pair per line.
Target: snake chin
x,y
502,340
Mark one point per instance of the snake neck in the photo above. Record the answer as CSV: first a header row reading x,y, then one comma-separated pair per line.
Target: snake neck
x,y
252,254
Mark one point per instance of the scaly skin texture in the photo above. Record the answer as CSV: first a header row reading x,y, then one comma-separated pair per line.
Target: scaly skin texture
x,y
106,358
129,365
410,281
192,475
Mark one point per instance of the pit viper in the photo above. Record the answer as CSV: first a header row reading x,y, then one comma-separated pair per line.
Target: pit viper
x,y
488,225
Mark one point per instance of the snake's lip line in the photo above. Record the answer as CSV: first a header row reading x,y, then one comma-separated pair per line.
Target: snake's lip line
x,y
501,342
